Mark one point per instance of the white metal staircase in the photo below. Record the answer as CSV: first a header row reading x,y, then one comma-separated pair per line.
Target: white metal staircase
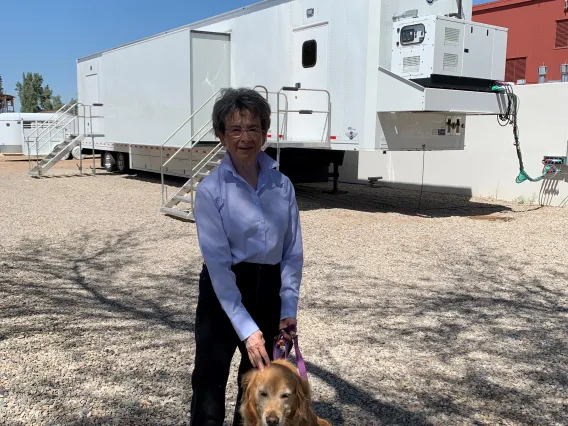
x,y
66,129
60,151
181,203
53,130
174,206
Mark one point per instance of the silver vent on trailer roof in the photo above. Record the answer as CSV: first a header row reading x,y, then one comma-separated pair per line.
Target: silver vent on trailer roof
x,y
450,62
411,64
452,36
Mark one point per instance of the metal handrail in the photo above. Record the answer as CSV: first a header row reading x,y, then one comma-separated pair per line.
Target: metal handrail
x,y
49,119
56,133
49,139
191,139
54,123
327,121
190,117
206,159
75,120
184,145
162,165
194,171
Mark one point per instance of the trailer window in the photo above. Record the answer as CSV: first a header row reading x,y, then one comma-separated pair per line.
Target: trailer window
x,y
309,53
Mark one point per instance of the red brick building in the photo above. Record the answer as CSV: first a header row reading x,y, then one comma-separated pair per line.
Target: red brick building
x,y
538,35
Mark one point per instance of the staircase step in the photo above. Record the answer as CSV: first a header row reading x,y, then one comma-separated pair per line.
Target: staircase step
x,y
188,186
183,199
55,155
177,213
204,174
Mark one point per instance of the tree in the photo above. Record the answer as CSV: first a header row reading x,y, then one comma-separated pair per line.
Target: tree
x,y
72,101
56,102
45,101
34,97
30,92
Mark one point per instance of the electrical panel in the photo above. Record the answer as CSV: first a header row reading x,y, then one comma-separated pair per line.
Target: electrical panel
x,y
555,161
445,46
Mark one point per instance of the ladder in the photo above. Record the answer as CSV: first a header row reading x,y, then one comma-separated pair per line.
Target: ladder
x,y
61,150
180,205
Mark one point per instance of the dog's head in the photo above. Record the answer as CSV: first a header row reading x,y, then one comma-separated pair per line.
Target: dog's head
x,y
275,395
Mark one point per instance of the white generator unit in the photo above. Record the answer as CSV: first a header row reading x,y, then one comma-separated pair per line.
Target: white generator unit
x,y
446,51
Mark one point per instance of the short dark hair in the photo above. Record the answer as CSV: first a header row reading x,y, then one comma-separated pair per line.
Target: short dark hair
x,y
232,100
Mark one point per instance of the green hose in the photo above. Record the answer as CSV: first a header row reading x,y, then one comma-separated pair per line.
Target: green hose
x,y
510,117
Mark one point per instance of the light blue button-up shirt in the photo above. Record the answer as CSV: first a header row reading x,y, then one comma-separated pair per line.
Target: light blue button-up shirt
x,y
237,224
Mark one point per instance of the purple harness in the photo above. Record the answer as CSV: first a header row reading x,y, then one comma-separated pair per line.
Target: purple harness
x,y
277,353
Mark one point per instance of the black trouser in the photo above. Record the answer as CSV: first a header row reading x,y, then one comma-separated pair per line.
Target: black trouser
x,y
216,339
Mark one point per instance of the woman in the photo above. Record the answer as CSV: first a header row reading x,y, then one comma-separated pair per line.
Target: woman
x,y
249,233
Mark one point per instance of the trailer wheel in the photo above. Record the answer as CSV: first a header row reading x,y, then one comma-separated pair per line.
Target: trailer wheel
x,y
109,162
76,153
122,162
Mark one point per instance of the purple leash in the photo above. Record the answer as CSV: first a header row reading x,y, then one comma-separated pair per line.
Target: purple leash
x,y
277,353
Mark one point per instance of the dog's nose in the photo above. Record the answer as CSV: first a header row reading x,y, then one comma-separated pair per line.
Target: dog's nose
x,y
272,420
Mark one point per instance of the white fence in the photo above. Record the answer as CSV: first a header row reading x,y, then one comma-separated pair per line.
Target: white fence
x,y
488,166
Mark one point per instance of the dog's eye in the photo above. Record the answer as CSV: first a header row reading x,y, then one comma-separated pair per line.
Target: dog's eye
x,y
264,394
285,395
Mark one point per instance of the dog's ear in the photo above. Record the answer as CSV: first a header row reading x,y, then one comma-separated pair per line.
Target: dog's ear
x,y
248,403
306,389
303,398
248,379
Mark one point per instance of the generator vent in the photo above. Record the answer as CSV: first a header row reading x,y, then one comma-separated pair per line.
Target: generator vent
x,y
452,36
450,62
411,64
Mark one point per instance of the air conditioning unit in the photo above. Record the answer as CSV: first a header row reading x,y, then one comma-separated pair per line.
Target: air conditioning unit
x,y
440,51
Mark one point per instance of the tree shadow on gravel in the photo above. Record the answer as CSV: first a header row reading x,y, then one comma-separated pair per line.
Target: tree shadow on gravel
x,y
484,342
80,319
347,394
85,283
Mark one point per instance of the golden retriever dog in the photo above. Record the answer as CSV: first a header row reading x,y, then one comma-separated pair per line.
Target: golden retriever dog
x,y
278,397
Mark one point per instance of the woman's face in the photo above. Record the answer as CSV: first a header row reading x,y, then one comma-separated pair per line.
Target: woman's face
x,y
243,136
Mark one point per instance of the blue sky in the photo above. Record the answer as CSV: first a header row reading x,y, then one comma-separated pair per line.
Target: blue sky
x,y
48,36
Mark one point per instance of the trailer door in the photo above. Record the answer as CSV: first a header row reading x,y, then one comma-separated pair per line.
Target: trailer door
x,y
310,70
210,71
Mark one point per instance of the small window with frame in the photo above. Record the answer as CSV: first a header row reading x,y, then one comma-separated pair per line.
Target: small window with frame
x,y
309,53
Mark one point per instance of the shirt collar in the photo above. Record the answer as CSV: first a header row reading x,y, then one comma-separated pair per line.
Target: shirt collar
x,y
265,163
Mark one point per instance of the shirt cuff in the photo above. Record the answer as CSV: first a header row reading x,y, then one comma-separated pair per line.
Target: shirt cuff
x,y
289,306
243,324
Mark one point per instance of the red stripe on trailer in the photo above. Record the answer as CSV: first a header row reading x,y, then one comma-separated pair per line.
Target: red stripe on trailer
x,y
333,137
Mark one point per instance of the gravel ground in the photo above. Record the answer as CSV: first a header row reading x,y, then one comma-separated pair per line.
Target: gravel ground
x,y
455,314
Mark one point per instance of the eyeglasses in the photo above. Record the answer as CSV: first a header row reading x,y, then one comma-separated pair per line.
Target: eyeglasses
x,y
237,132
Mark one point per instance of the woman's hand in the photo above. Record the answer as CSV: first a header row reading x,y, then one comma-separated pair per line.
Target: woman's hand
x,y
257,351
285,323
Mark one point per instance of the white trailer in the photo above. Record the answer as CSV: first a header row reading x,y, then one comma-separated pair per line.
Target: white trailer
x,y
19,134
359,75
